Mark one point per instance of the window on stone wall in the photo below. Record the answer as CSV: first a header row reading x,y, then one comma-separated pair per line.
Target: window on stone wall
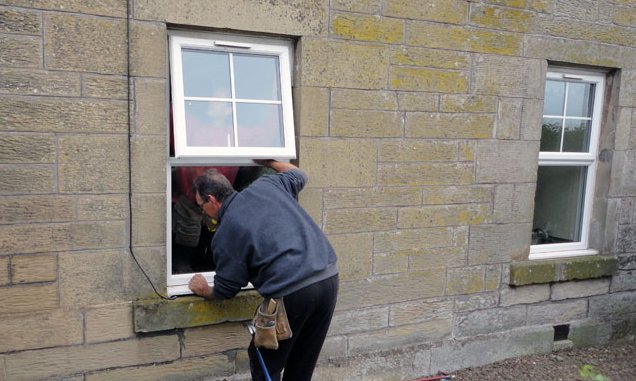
x,y
567,163
231,103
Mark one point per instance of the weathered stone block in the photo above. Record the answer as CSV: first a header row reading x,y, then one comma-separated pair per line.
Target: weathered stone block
x,y
311,200
148,163
102,207
149,216
589,333
355,165
486,349
579,289
186,312
514,203
623,281
105,86
208,367
415,174
20,51
333,347
148,46
492,76
627,96
415,101
625,16
36,179
30,82
20,209
580,52
444,36
623,180
508,123
420,311
370,197
311,111
34,268
442,59
525,273
446,11
391,263
417,150
453,126
153,261
359,320
108,322
587,267
295,17
42,329
472,302
439,257
214,339
557,312
398,337
489,321
623,128
367,28
363,99
361,6
490,244
29,298
5,276
359,220
93,163
366,123
507,162
456,195
19,21
443,215
27,148
461,103
467,280
584,30
330,63
151,115
391,289
44,114
89,278
513,20
531,119
511,296
467,151
88,44
493,277
425,79
45,363
354,253
114,8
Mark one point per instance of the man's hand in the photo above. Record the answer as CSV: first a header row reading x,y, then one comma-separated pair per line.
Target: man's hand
x,y
278,166
200,286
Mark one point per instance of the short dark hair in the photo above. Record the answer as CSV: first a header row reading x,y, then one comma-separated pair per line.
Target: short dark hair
x,y
212,182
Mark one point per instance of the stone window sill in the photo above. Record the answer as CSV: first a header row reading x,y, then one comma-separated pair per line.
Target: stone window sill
x,y
561,270
154,315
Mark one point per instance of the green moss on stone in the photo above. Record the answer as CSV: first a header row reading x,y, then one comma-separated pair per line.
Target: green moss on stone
x,y
588,268
532,272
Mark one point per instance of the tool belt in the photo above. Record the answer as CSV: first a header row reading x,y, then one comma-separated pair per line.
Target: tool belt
x,y
271,324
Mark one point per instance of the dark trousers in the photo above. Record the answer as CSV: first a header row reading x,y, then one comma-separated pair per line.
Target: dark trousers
x,y
309,311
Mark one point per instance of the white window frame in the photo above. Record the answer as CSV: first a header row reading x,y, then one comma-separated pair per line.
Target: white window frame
x,y
587,159
231,44
177,284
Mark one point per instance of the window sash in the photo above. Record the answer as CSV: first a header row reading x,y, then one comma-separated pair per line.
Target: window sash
x,y
231,45
587,159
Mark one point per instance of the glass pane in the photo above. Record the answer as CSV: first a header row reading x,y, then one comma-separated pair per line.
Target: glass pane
x,y
551,135
256,77
206,74
209,124
554,96
259,125
580,97
576,137
558,205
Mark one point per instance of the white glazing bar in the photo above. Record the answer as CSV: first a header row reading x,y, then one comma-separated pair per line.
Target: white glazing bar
x,y
232,86
565,109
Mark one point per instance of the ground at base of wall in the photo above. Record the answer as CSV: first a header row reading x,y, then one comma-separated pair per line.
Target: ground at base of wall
x,y
615,361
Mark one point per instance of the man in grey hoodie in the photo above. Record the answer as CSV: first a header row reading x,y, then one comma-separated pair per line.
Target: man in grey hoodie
x,y
265,237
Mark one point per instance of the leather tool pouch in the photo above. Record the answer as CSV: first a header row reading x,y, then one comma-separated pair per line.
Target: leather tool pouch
x,y
271,324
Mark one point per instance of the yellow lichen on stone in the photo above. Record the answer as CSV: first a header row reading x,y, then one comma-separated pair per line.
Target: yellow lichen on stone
x,y
368,28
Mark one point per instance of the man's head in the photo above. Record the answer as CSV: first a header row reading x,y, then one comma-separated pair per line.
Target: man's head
x,y
212,188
